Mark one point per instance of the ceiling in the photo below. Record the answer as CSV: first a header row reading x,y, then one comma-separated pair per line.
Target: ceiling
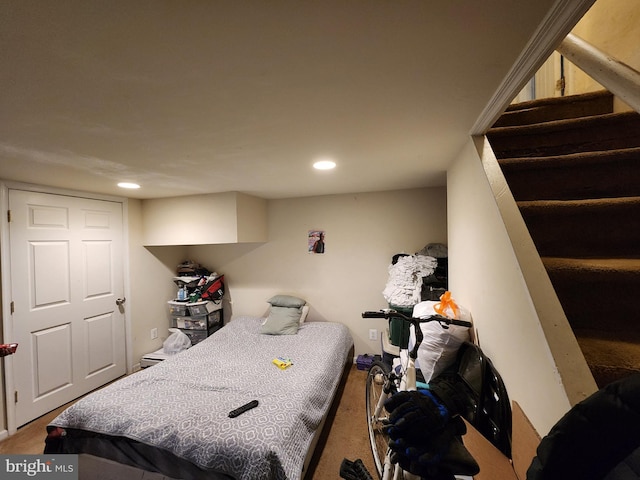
x,y
203,96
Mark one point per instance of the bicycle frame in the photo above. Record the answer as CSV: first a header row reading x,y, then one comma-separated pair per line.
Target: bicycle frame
x,y
405,381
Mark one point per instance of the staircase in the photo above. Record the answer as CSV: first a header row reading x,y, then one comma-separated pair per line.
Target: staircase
x,y
573,167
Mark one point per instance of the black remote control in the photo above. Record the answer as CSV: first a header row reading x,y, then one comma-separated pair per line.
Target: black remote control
x,y
243,408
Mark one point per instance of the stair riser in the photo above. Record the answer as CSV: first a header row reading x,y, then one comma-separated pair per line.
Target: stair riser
x,y
599,301
600,231
566,137
607,178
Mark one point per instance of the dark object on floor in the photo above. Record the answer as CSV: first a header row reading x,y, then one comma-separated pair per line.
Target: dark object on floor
x,y
364,362
354,470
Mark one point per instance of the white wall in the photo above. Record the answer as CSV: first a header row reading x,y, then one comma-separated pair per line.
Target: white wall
x,y
150,286
363,232
485,277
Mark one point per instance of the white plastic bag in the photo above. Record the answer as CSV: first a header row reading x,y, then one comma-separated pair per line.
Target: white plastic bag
x,y
176,342
440,346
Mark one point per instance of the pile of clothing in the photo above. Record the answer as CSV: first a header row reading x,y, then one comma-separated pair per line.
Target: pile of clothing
x,y
413,278
404,287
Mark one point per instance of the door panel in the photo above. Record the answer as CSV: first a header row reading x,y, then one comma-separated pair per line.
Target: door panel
x,y
43,216
66,274
49,274
97,269
99,343
52,370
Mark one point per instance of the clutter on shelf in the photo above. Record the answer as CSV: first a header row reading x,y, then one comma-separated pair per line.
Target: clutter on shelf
x,y
196,283
197,309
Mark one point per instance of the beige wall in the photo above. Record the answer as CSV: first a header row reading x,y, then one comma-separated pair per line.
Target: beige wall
x,y
363,232
3,423
612,26
485,277
150,286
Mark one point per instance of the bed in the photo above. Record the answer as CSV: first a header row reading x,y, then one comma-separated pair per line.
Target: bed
x,y
172,418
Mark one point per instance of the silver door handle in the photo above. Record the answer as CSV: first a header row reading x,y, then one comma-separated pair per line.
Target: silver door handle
x,y
120,301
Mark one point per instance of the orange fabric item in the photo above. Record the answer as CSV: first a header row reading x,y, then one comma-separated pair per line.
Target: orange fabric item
x,y
446,302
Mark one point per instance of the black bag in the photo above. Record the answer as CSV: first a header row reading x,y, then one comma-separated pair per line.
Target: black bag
x,y
474,389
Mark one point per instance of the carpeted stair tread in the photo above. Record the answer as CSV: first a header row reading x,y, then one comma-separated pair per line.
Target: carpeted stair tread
x,y
574,170
561,102
557,108
602,174
611,356
598,293
629,266
609,350
594,133
584,228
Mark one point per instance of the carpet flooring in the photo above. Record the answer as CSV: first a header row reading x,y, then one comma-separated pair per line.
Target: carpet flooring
x,y
344,436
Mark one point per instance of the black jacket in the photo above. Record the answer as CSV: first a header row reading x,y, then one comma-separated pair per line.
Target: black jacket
x,y
599,438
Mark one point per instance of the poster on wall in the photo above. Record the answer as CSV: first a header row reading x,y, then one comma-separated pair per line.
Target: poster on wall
x,y
316,243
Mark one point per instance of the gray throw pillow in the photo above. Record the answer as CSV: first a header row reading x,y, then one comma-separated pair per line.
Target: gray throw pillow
x,y
286,301
282,321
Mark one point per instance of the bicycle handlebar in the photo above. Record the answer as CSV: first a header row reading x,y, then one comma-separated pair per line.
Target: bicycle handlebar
x,y
442,320
433,318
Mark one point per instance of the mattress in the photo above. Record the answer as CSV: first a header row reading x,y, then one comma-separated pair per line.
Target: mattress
x,y
173,418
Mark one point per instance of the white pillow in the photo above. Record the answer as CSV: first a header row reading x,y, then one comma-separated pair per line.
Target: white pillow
x,y
305,312
439,348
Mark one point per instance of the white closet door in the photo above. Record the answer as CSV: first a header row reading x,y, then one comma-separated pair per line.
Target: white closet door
x,y
66,278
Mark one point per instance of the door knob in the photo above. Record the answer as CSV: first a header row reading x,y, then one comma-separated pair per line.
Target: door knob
x,y
120,301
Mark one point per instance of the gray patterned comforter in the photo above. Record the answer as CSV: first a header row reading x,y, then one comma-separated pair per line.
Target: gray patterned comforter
x,y
181,404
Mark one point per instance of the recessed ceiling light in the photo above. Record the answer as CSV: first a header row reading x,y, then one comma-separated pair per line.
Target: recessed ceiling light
x,y
128,185
324,165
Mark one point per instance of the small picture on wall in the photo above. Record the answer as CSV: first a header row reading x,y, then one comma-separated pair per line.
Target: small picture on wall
x,y
316,242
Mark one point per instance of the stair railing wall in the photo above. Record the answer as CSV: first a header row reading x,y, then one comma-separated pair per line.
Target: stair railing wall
x,y
617,77
571,365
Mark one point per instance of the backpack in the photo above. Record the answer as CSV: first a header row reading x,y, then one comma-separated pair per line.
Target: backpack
x,y
213,290
474,389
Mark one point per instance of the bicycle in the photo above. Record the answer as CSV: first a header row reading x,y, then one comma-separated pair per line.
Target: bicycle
x,y
382,382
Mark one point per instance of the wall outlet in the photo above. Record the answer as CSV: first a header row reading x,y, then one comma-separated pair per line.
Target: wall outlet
x,y
373,334
154,333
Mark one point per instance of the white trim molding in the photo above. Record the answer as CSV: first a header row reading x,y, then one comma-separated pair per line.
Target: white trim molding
x,y
559,21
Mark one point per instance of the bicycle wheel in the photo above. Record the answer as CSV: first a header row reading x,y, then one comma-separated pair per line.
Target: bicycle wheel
x,y
376,379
